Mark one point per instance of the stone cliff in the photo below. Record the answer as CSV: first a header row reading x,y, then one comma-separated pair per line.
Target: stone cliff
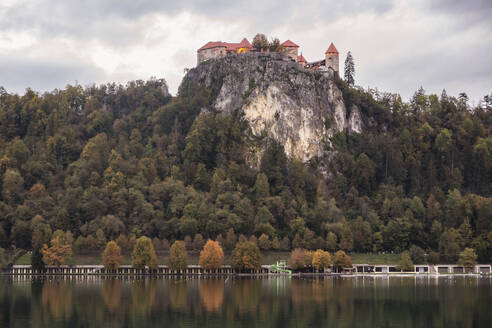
x,y
299,108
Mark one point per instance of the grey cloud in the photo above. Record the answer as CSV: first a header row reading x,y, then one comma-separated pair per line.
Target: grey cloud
x,y
435,70
115,21
465,13
43,75
121,23
461,7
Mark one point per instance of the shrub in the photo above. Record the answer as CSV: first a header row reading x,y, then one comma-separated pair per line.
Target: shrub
x,y
406,263
297,259
144,254
341,260
112,256
468,258
212,255
246,256
321,259
179,257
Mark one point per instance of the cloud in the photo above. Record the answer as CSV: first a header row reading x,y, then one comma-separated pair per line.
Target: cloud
x,y
21,73
397,45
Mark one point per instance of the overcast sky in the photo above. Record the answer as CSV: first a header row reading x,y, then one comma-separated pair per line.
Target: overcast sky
x,y
397,45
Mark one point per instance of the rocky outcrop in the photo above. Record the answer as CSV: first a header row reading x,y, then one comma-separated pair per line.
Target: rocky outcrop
x,y
299,108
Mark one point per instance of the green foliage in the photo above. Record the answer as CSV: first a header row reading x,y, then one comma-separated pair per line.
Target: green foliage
x,y
468,258
144,254
112,160
405,263
349,70
178,259
341,260
246,256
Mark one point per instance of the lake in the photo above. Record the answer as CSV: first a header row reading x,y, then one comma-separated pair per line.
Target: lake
x,y
236,302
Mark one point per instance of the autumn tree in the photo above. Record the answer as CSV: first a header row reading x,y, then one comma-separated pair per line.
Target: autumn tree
x,y
297,259
178,259
112,256
58,252
246,256
144,254
341,260
264,242
321,259
212,255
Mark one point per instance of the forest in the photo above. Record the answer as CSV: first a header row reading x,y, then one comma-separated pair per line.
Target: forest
x,y
117,162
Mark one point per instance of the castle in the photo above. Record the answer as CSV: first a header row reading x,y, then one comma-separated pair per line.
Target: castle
x,y
217,49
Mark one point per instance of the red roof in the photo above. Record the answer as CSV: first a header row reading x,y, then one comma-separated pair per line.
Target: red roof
x,y
289,43
229,46
332,49
301,59
213,44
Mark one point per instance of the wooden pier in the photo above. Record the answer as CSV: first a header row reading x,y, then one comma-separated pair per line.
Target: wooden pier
x,y
128,270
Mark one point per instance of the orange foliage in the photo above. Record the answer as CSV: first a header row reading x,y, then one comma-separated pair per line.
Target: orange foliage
x,y
112,256
212,255
57,253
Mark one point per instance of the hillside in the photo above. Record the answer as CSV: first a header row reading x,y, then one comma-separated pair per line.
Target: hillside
x,y
252,146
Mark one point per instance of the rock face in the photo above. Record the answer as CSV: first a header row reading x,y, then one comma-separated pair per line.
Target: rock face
x,y
297,107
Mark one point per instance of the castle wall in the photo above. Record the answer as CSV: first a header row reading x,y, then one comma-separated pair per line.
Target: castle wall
x,y
206,54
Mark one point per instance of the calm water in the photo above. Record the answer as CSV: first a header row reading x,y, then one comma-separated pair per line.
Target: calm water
x,y
275,302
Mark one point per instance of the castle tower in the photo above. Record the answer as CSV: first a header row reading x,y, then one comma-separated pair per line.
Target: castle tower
x,y
331,57
291,49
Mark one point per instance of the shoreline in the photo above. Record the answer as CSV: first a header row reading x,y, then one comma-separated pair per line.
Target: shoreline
x,y
251,275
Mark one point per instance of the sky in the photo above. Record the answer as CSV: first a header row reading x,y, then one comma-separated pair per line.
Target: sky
x,y
397,45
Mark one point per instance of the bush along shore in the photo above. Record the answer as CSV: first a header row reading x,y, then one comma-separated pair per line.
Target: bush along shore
x,y
245,259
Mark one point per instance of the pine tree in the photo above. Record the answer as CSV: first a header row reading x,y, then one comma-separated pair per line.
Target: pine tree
x,y
349,69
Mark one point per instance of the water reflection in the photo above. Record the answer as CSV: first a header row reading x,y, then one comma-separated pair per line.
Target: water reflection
x,y
353,302
143,295
211,294
111,291
56,299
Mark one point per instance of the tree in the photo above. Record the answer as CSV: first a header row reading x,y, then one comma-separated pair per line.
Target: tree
x,y
212,255
341,260
285,244
57,253
406,263
144,254
449,245
230,240
331,241
264,242
41,233
417,254
349,69
246,256
198,242
262,187
123,243
275,45
346,242
178,259
297,259
321,259
468,258
112,256
260,42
